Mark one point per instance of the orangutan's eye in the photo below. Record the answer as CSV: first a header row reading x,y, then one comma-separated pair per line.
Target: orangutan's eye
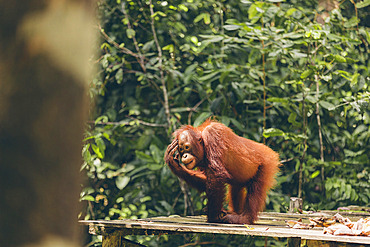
x,y
187,147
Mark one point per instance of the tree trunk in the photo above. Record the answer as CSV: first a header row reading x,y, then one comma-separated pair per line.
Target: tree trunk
x,y
45,47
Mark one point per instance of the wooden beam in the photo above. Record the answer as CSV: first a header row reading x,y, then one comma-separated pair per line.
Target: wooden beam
x,y
269,225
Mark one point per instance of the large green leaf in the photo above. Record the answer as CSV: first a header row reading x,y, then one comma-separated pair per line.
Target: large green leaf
x,y
201,118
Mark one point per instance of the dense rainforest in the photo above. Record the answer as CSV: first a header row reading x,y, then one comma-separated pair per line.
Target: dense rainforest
x,y
291,74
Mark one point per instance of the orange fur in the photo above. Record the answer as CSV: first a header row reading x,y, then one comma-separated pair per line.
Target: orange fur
x,y
247,166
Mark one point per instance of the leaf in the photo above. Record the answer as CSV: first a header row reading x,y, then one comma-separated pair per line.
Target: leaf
x,y
156,153
209,76
351,22
292,119
306,73
215,105
277,99
148,45
315,174
344,74
105,61
86,153
143,141
119,76
316,34
293,35
237,124
297,54
354,79
201,118
254,11
166,206
362,4
97,151
143,156
350,153
327,105
275,53
338,58
198,18
88,198
194,39
311,99
122,181
180,27
130,33
101,144
273,132
214,39
334,37
354,195
232,27
154,167
224,75
290,12
359,130
225,120
327,77
207,18
159,13
145,199
169,48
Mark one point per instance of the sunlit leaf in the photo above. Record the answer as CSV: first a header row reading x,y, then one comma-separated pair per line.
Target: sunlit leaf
x,y
362,4
315,174
207,18
88,198
122,181
273,132
290,11
232,27
306,73
97,151
338,58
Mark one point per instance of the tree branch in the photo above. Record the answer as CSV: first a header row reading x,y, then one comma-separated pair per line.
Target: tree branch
x,y
193,109
111,41
164,88
127,124
320,133
140,57
304,115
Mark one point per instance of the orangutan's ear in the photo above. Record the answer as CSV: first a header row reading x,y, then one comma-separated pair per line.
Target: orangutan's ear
x,y
200,140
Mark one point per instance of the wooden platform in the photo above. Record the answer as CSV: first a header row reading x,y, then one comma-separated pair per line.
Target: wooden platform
x,y
268,225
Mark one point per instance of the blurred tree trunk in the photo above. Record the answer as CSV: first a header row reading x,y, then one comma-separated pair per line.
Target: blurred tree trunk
x,y
45,47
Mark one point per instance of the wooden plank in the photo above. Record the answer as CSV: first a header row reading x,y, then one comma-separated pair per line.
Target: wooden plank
x,y
269,225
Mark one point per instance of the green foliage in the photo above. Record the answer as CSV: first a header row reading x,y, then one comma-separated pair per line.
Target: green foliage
x,y
267,69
